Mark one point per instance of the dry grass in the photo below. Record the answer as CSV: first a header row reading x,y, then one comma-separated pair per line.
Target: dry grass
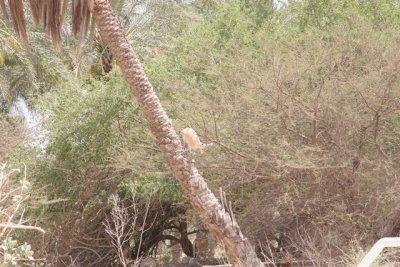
x,y
10,136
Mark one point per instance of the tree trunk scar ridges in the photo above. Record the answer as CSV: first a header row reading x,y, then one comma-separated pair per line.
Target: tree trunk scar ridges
x,y
238,248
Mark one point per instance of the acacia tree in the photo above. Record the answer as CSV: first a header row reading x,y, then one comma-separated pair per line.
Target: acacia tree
x,y
215,216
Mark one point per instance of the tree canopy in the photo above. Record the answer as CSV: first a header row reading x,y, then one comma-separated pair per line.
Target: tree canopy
x,y
300,102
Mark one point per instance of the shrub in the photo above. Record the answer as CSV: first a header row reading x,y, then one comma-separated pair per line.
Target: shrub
x,y
304,118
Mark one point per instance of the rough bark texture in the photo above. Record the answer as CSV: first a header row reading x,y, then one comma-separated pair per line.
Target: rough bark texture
x,y
215,218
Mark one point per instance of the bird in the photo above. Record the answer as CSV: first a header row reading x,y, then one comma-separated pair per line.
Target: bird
x,y
192,140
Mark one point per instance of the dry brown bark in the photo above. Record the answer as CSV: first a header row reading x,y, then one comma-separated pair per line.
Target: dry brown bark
x,y
239,250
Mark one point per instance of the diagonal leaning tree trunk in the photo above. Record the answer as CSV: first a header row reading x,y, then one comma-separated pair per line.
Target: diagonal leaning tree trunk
x,y
51,12
215,218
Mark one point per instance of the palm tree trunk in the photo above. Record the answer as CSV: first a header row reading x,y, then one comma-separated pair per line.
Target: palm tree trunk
x,y
215,218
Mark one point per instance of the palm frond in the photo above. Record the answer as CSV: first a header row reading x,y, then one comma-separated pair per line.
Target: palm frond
x,y
37,9
52,24
81,16
18,19
51,13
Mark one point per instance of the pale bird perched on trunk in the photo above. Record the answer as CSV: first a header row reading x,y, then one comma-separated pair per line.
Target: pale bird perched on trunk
x,y
51,14
192,140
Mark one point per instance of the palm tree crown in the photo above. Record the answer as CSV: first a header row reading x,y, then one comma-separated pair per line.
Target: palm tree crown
x,y
51,13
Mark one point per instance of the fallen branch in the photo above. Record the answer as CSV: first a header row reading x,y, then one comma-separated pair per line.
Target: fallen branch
x,y
20,226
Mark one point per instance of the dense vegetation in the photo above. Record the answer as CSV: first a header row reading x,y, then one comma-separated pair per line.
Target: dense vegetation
x,y
302,104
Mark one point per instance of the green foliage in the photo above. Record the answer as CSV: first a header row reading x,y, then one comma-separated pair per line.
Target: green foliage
x,y
150,186
82,120
301,105
291,106
13,252
28,71
327,13
95,130
99,142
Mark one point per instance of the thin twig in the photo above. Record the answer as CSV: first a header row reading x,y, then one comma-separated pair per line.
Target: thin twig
x,y
20,226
